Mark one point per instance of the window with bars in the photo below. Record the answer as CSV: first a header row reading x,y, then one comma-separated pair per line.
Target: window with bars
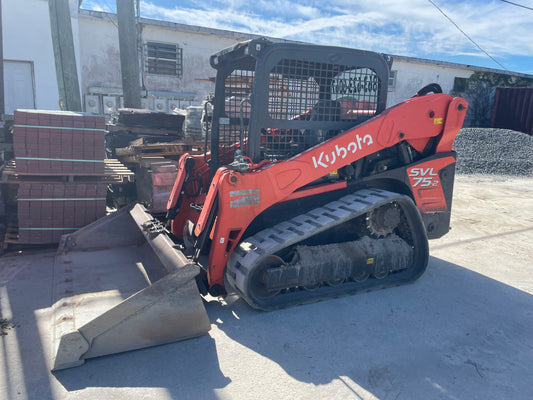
x,y
163,59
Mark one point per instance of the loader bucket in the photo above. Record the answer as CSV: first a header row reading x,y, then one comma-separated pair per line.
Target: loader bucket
x,y
120,284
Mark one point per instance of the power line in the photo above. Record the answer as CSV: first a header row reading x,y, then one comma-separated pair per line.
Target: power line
x,y
516,4
468,37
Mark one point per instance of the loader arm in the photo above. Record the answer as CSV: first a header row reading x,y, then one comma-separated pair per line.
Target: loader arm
x,y
244,195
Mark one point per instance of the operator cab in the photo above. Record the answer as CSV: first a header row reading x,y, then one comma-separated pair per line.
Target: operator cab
x,y
273,102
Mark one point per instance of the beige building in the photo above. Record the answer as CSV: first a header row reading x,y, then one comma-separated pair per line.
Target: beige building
x,y
174,61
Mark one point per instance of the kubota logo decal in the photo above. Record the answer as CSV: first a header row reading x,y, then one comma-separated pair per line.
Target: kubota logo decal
x,y
326,158
423,177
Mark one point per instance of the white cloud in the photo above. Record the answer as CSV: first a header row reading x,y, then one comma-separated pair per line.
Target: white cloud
x,y
410,27
96,5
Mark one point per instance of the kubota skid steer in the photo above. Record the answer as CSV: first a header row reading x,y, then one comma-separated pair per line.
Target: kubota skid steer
x,y
312,190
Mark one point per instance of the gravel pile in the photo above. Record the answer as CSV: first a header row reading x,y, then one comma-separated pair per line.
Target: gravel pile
x,y
494,151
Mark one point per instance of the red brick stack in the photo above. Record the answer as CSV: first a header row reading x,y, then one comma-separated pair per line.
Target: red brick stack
x,y
48,142
48,210
155,180
60,144
163,178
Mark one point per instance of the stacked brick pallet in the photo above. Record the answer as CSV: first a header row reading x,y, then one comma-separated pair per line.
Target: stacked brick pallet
x,y
163,178
58,143
154,181
48,210
51,147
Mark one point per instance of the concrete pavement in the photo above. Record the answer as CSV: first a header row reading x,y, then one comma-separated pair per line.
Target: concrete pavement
x,y
462,331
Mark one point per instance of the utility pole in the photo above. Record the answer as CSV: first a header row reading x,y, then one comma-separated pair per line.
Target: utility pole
x,y
129,57
65,57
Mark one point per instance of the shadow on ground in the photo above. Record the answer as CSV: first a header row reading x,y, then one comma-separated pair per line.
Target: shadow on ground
x,y
452,334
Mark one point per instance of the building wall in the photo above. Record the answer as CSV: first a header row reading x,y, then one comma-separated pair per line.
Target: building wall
x,y
100,60
197,48
101,78
411,76
27,37
99,53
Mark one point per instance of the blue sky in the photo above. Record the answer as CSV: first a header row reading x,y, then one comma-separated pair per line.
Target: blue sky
x,y
414,28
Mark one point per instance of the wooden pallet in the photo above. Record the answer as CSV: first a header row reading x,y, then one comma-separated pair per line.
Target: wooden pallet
x,y
11,241
160,149
146,131
114,172
12,234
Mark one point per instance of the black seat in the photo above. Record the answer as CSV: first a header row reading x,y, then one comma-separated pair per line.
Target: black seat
x,y
326,111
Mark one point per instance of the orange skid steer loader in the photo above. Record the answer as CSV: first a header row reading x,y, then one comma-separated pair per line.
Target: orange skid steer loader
x,y
312,189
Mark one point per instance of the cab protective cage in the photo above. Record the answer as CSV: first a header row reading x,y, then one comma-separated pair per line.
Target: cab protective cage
x,y
278,99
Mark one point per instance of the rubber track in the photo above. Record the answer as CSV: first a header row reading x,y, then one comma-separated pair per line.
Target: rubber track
x,y
269,241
